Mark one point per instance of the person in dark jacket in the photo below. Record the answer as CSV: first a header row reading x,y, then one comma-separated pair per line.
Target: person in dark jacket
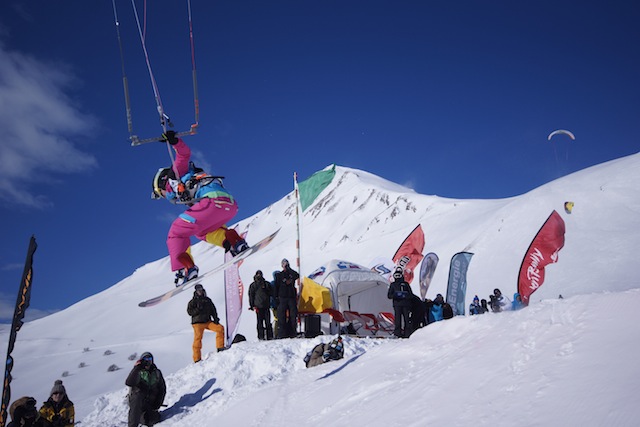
x,y
204,316
58,411
499,302
483,303
418,313
259,301
23,413
402,295
146,393
323,353
447,311
287,300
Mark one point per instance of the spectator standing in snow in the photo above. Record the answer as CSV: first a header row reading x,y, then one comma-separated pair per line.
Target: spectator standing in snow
x,y
146,393
23,413
58,410
402,295
259,301
323,353
204,316
287,300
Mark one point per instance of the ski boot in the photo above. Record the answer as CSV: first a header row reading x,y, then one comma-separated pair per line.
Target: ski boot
x,y
240,246
183,275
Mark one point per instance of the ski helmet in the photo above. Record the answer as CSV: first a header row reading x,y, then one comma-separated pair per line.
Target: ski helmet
x,y
147,357
160,182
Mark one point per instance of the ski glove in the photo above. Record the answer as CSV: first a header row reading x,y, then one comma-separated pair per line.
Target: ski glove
x,y
170,137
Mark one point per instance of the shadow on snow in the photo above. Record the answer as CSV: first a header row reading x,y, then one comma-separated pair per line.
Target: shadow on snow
x,y
190,400
344,365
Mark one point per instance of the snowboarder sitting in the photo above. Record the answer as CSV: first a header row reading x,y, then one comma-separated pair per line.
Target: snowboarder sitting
x,y
498,302
210,207
475,307
517,303
146,393
24,413
58,411
204,316
436,309
323,353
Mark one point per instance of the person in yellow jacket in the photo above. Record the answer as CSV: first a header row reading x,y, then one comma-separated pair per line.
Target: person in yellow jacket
x,y
204,316
58,410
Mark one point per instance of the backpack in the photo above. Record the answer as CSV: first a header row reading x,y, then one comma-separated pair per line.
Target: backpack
x,y
192,181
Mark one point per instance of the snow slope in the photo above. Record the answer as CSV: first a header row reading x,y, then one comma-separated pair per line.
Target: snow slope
x,y
564,361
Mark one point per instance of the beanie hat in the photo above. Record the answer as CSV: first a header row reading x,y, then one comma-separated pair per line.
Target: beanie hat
x,y
58,388
199,287
476,298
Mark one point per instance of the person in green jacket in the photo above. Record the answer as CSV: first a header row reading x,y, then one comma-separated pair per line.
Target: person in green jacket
x,y
146,393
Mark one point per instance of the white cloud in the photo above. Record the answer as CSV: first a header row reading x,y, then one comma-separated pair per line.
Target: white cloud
x,y
38,120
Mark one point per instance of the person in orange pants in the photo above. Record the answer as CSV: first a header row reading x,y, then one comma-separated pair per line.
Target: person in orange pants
x,y
204,316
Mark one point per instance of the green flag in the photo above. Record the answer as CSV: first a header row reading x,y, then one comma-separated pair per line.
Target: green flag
x,y
312,186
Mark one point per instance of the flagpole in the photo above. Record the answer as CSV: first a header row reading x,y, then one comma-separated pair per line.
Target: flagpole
x,y
297,197
22,303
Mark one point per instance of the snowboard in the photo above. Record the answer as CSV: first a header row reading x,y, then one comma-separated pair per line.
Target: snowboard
x,y
191,283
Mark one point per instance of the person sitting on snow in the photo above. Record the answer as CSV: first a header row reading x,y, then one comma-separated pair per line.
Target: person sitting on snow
x,y
210,207
323,353
499,302
23,413
517,303
58,411
475,307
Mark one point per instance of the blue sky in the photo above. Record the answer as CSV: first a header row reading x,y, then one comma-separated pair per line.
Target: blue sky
x,y
454,99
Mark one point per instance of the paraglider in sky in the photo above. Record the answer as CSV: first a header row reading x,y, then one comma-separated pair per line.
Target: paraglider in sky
x,y
568,206
561,131
554,143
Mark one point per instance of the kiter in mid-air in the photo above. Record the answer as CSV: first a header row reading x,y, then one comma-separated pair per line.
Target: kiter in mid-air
x,y
211,206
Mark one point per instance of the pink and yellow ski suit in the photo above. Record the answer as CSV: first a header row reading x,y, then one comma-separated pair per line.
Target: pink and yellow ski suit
x,y
206,219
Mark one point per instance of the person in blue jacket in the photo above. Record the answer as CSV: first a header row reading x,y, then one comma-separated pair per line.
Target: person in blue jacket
x,y
475,307
436,308
517,303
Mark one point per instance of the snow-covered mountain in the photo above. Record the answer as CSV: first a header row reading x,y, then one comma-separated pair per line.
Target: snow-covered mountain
x,y
559,362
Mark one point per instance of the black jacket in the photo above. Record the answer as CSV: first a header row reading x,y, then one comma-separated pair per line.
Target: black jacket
x,y
202,310
286,283
401,294
260,294
147,384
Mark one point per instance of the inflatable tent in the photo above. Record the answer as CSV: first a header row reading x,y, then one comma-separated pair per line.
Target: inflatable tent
x,y
343,286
